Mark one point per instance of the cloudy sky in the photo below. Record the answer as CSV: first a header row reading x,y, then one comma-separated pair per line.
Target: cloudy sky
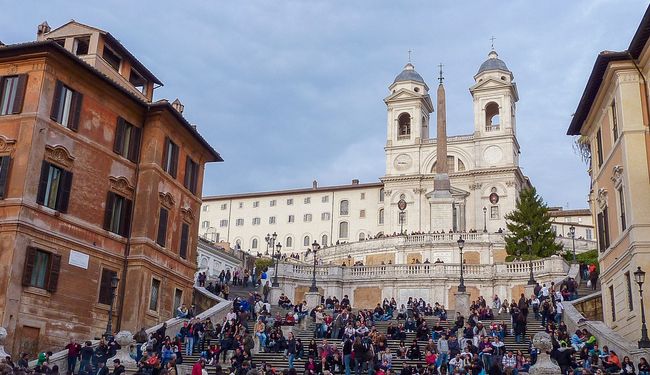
x,y
291,91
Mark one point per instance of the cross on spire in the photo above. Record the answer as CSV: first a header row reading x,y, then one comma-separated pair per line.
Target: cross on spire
x,y
410,55
492,39
440,78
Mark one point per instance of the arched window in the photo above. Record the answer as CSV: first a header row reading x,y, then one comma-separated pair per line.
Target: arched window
x,y
381,194
344,207
343,229
254,243
461,166
289,242
362,236
323,240
404,125
492,119
381,216
305,241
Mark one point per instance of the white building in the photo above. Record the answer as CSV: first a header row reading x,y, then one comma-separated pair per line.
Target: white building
x,y
483,168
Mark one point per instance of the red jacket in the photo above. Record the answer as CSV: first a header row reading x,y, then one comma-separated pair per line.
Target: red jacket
x,y
197,369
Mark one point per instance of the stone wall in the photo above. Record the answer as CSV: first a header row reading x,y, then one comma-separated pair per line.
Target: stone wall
x,y
367,297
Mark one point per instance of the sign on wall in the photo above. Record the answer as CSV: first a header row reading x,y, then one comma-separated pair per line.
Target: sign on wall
x,y
78,259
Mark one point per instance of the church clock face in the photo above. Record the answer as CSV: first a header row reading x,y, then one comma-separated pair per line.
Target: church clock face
x,y
492,155
403,162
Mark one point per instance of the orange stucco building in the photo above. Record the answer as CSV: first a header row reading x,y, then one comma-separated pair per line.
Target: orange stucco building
x,y
96,180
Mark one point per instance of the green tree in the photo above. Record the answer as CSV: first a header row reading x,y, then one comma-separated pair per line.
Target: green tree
x,y
530,219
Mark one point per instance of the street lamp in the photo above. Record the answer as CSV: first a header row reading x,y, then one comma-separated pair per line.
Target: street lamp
x,y
461,285
349,260
109,324
529,243
484,219
268,241
314,248
277,259
639,277
572,233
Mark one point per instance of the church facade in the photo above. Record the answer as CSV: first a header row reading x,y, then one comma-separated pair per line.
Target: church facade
x,y
474,185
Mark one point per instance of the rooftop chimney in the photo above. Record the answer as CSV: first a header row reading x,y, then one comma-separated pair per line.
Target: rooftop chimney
x,y
355,182
314,184
43,28
177,105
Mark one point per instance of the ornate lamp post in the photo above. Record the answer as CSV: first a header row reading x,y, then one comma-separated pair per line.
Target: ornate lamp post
x,y
109,324
349,260
268,242
529,243
277,259
461,244
572,233
314,249
639,277
484,219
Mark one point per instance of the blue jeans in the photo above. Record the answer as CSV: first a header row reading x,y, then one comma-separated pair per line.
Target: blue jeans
x,y
518,338
442,359
346,362
558,318
262,338
189,345
72,363
291,357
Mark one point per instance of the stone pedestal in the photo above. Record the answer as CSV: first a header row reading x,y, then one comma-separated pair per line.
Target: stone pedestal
x,y
462,303
442,211
544,366
274,295
529,290
313,299
3,337
125,339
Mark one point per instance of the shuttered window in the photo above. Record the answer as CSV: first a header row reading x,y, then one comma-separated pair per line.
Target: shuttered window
x,y
105,286
5,163
66,106
161,239
191,174
153,297
603,230
12,94
185,238
170,157
117,217
54,187
127,140
41,269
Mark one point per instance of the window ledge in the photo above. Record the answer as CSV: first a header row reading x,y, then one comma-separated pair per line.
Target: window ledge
x,y
153,314
101,306
37,291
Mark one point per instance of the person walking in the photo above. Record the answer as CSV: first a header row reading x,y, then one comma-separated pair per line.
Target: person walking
x,y
291,349
74,352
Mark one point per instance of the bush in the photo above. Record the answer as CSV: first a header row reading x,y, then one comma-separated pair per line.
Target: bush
x,y
262,264
588,257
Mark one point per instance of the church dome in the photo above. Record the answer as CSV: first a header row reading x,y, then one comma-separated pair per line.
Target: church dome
x,y
492,63
409,74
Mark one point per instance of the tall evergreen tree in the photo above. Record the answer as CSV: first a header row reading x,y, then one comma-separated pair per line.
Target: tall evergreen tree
x,y
530,219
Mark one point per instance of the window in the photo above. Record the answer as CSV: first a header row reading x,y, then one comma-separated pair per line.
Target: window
x,y
291,219
461,165
599,147
185,239
5,162
257,221
362,236
494,212
105,295
554,229
254,243
205,224
161,239
272,220
589,234
344,207
363,196
206,208
628,284
325,199
191,175
80,46
239,222
305,241
54,187
381,216
170,157
492,118
241,204
307,200
256,204
613,303
127,140
306,218
614,120
621,203
289,202
325,216
224,206
178,298
362,214
41,269
289,242
66,106
323,240
12,94
603,230
343,229
153,297
272,203
112,58
402,217
404,125
60,42
117,216
381,195
138,81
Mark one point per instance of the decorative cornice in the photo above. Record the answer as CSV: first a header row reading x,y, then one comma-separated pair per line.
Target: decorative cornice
x,y
617,175
187,214
419,190
59,155
601,197
7,146
475,186
510,183
121,185
166,199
